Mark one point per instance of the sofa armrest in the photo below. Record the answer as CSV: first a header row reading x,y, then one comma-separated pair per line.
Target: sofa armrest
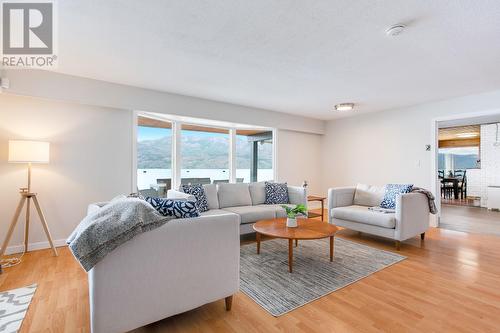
x,y
412,215
340,197
174,194
297,195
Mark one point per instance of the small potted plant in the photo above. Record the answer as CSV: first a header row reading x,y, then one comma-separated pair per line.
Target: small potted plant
x,y
292,214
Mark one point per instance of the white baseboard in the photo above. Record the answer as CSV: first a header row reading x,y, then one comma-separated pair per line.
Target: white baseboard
x,y
34,246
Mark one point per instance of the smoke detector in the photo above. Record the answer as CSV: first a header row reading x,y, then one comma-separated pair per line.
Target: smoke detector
x,y
395,30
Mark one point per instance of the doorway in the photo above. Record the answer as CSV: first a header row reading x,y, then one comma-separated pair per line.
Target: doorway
x,y
466,166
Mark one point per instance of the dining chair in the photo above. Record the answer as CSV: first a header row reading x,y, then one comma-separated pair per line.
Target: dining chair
x,y
462,184
446,187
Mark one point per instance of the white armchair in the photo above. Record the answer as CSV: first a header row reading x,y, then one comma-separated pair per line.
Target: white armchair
x,y
411,216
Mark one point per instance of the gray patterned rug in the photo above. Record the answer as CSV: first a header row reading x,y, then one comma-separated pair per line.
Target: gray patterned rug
x,y
265,277
13,307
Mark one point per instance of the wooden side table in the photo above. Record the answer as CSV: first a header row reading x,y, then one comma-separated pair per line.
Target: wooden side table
x,y
320,199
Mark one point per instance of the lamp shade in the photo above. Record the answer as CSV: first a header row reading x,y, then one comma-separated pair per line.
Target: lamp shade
x,y
21,151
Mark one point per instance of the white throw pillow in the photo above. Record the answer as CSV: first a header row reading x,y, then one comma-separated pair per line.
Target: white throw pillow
x,y
368,195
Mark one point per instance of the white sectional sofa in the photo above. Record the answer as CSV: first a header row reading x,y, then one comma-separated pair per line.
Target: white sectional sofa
x,y
172,269
349,207
247,201
181,265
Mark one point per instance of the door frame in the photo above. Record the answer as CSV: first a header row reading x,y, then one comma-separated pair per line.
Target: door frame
x,y
435,186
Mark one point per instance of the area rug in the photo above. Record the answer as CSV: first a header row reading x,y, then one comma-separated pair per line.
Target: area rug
x,y
265,277
13,307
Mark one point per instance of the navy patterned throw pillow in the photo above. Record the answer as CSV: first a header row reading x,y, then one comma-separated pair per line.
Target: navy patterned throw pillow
x,y
391,192
177,208
276,193
199,193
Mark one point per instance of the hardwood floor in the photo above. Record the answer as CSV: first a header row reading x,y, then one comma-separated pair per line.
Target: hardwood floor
x,y
449,283
470,201
470,219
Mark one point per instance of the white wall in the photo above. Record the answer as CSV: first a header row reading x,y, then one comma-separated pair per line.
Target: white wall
x,y
56,86
474,183
389,146
90,161
298,159
490,161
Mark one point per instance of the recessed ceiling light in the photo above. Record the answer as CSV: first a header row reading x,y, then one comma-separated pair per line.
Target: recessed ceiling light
x,y
344,106
395,30
467,135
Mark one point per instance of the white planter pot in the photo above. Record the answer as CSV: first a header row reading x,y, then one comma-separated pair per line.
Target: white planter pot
x,y
291,223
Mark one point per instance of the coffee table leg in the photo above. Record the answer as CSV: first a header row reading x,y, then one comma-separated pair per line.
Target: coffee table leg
x,y
296,242
322,209
257,236
290,255
331,248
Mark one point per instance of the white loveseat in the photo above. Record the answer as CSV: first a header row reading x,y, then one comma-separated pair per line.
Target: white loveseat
x,y
172,269
247,201
349,207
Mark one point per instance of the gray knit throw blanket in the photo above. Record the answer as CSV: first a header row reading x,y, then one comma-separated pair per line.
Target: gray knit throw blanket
x,y
104,230
430,198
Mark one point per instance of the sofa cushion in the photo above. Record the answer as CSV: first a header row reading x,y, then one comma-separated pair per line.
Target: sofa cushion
x,y
250,214
199,193
280,212
362,214
257,192
276,193
368,195
232,195
211,194
391,192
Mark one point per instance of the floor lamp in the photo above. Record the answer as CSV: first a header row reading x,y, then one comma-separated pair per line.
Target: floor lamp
x,y
27,152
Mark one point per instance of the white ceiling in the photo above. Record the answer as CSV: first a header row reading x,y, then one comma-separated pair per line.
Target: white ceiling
x,y
298,57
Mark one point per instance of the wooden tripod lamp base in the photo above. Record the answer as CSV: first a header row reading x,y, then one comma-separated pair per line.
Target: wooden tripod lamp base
x,y
26,198
23,151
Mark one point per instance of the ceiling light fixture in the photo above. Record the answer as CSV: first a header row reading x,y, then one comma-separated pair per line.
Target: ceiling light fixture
x,y
395,30
467,135
344,107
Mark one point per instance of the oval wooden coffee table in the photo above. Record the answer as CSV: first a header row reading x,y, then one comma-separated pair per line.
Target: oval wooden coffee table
x,y
307,229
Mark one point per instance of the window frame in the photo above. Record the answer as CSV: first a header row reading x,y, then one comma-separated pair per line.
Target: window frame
x,y
177,139
478,161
